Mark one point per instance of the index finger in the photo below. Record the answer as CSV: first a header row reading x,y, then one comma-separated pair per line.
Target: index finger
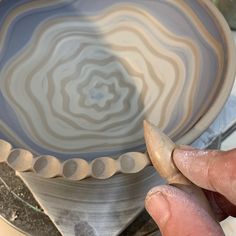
x,y
209,169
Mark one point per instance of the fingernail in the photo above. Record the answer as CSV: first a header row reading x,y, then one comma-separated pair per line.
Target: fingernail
x,y
158,207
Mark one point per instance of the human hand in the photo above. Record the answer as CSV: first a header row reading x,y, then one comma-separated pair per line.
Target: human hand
x,y
177,213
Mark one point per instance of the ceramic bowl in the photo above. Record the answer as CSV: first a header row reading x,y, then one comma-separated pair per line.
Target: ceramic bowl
x,y
77,79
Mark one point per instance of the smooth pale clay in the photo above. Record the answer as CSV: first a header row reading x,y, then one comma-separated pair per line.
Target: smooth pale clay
x,y
47,166
75,169
133,162
20,160
104,167
5,149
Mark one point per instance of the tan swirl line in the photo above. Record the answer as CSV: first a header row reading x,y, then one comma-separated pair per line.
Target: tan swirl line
x,y
189,102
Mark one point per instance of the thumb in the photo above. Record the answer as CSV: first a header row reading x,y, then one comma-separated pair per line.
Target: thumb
x,y
177,214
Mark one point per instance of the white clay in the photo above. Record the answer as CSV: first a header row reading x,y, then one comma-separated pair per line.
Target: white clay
x,y
133,162
75,169
20,160
5,149
104,167
47,166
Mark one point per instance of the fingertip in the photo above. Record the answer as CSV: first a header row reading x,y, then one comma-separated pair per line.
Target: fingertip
x,y
183,158
164,189
183,154
158,207
209,169
176,212
187,160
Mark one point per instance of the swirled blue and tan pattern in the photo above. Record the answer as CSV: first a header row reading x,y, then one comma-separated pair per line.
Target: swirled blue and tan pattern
x,y
83,78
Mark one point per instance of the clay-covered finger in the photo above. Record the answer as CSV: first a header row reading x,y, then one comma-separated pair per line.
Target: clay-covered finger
x,y
177,214
209,169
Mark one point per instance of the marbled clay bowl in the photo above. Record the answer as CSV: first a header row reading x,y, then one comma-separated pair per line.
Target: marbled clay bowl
x,y
77,79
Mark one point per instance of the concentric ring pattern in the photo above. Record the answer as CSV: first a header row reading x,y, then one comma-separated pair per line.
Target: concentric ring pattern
x,y
82,83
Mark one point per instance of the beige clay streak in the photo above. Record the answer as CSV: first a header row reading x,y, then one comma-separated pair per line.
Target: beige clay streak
x,y
195,51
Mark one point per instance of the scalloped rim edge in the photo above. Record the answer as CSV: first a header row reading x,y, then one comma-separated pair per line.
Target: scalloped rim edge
x,y
46,166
